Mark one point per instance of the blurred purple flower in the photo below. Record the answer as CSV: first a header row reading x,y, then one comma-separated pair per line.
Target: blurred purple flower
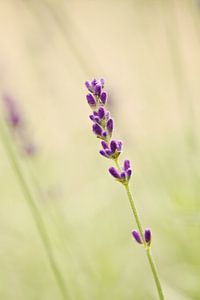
x,y
17,125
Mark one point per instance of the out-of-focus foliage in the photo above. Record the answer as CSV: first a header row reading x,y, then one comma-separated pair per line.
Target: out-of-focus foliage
x,y
148,52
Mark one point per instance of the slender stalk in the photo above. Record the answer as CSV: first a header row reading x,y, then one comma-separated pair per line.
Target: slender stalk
x,y
147,247
35,213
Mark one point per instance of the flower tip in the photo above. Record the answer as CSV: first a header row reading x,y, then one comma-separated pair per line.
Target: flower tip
x,y
109,125
126,165
114,172
137,236
147,236
91,100
103,97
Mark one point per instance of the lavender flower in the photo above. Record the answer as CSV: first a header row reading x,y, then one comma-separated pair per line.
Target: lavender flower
x,y
111,151
103,126
147,236
17,125
124,175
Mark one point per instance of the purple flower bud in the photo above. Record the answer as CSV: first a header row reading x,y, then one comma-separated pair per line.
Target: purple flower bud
x,y
126,165
109,126
147,236
119,146
108,152
104,134
113,146
104,145
91,100
93,82
137,236
96,119
14,116
91,117
97,89
97,129
129,172
103,153
88,86
123,175
103,97
101,112
114,173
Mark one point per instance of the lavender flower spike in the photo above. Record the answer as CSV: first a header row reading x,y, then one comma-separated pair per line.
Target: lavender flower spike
x,y
103,126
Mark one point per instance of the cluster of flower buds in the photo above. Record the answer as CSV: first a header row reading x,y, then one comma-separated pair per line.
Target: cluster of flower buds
x,y
103,128
124,175
17,125
147,236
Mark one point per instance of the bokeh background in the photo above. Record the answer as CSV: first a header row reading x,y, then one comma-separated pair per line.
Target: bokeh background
x,y
149,53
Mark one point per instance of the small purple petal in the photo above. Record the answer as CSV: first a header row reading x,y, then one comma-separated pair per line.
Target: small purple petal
x,y
126,165
119,146
136,236
103,153
129,172
123,175
104,145
113,146
93,82
88,86
108,152
91,117
147,235
96,119
97,129
97,89
114,172
103,97
109,125
104,134
101,112
90,99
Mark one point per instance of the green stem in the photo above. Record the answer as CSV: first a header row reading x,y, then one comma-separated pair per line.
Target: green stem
x,y
35,213
147,247
155,273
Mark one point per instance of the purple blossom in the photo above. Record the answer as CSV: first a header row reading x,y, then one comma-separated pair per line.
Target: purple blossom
x,y
95,86
109,126
113,150
91,100
124,175
114,173
13,114
137,236
147,236
97,129
17,125
103,128
103,97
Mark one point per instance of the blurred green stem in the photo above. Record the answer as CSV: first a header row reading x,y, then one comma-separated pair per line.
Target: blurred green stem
x,y
147,248
35,212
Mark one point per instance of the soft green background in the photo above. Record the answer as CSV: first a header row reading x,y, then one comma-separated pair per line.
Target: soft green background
x,y
149,53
